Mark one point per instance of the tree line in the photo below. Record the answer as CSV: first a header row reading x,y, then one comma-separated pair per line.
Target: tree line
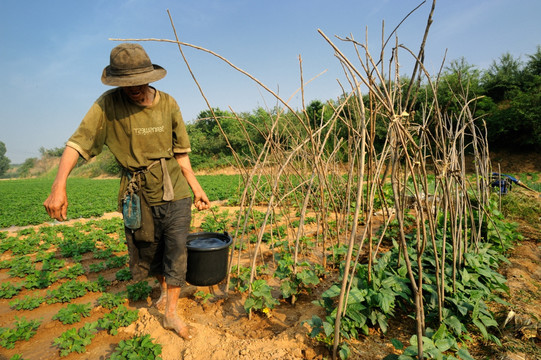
x,y
506,97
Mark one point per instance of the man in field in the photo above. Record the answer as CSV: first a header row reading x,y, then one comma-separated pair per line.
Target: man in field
x,y
144,129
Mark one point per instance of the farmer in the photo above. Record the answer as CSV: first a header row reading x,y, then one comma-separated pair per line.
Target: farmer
x,y
143,128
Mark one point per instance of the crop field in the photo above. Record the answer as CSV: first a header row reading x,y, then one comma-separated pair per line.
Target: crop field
x,y
66,290
21,200
45,271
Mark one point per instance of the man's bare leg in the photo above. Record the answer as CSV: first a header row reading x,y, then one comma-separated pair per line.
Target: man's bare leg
x,y
160,303
171,319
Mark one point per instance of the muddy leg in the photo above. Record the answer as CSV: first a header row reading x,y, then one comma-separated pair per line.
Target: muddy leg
x,y
171,319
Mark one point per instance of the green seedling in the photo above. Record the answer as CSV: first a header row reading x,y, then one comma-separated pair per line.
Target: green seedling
x,y
73,313
141,347
203,296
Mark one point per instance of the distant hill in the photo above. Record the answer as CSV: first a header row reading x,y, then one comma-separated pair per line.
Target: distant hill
x,y
103,165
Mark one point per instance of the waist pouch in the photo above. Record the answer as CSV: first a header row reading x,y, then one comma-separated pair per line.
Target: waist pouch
x,y
138,218
137,212
131,211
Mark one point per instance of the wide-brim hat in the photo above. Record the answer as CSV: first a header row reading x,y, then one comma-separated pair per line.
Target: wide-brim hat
x,y
130,65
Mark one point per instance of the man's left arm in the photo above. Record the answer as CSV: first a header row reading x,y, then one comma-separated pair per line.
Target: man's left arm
x,y
201,200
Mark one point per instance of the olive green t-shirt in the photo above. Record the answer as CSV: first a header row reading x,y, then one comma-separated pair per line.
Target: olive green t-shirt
x,y
137,136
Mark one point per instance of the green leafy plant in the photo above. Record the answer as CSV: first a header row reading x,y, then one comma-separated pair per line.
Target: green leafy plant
x,y
305,278
116,261
27,303
140,347
260,299
116,245
67,291
5,264
369,302
75,244
93,286
118,317
139,291
203,296
436,345
40,280
16,357
23,331
102,253
8,290
477,282
323,332
123,274
50,263
240,278
337,254
76,340
21,266
97,267
216,222
111,300
73,313
71,272
29,245
102,283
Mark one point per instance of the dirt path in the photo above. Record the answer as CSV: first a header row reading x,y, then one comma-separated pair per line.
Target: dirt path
x,y
225,332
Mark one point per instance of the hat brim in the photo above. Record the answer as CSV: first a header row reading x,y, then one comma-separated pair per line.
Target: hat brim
x,y
134,79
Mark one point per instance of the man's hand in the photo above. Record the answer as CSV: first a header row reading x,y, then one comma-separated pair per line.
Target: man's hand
x,y
57,202
57,205
201,201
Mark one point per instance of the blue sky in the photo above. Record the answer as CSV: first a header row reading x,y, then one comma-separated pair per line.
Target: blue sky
x,y
52,52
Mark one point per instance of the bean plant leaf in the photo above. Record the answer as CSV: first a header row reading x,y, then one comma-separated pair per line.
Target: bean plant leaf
x,y
481,327
356,295
382,322
454,324
397,344
328,328
288,288
488,321
344,352
386,301
332,292
308,277
445,344
464,354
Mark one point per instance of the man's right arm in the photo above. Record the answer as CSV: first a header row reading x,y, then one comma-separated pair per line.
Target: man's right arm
x,y
57,202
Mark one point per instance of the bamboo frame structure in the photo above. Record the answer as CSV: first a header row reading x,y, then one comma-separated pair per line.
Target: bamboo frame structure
x,y
423,159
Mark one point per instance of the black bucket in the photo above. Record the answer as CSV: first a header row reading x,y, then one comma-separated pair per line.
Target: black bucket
x,y
207,257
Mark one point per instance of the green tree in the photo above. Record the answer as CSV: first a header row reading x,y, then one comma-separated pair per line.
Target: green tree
x,y
314,111
515,122
503,78
526,105
207,140
533,66
28,164
54,152
4,161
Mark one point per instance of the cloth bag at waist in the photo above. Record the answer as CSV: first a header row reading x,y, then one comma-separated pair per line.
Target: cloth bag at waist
x,y
139,180
136,210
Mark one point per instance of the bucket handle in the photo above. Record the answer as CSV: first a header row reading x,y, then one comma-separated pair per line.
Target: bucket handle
x,y
217,221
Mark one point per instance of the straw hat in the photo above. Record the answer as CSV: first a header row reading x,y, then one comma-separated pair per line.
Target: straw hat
x,y
130,65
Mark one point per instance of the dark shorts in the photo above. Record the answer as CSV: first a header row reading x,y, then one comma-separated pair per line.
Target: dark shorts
x,y
167,255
